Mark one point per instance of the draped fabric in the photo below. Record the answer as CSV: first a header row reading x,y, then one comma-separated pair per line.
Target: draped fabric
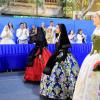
x,y
14,57
34,72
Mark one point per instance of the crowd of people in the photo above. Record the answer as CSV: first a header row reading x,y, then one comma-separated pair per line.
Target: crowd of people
x,y
25,35
80,37
59,74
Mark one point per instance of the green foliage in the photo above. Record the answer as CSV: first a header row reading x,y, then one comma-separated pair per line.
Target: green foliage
x,y
38,2
3,1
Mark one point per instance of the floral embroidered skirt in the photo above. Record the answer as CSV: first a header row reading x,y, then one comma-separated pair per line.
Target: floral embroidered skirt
x,y
60,84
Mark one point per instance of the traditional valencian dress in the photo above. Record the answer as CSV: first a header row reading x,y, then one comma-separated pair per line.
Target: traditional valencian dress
x,y
35,64
88,83
6,36
59,84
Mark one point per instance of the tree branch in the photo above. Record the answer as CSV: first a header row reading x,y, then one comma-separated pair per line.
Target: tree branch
x,y
90,4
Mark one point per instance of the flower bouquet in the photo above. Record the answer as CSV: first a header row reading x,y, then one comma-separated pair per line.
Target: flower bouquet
x,y
97,66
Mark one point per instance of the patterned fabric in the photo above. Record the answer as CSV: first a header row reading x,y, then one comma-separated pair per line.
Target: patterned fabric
x,y
60,84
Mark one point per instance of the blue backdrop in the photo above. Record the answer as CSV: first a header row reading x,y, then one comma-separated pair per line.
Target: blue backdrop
x,y
86,26
14,57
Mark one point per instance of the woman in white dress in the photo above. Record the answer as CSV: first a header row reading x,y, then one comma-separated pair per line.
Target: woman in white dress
x,y
81,38
6,36
11,28
72,36
88,82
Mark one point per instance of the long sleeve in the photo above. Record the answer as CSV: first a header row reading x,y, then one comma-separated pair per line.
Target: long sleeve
x,y
40,47
27,32
22,34
7,34
11,35
3,34
65,51
18,33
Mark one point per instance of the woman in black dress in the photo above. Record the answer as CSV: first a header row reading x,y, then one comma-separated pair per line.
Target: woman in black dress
x,y
38,58
59,76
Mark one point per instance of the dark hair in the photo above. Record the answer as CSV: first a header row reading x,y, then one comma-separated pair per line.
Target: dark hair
x,y
64,41
78,32
41,36
51,21
21,23
70,31
11,25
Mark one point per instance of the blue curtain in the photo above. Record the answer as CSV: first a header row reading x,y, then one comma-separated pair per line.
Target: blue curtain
x,y
14,57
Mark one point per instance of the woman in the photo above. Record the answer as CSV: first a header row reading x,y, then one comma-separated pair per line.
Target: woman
x,y
59,76
7,36
32,34
88,83
43,27
10,25
72,36
37,58
80,36
11,28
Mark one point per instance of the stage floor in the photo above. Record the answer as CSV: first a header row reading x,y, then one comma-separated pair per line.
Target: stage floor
x,y
12,87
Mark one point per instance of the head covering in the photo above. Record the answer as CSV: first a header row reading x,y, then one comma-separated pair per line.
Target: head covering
x,y
40,38
64,40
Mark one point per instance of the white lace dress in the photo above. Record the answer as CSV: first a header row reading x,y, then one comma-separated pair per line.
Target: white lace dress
x,y
7,37
88,83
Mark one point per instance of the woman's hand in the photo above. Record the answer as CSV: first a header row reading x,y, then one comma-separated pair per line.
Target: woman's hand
x,y
97,66
40,56
62,62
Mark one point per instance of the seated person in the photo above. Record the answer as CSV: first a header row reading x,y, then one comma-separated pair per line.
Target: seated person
x,y
22,34
7,36
72,36
81,38
32,34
